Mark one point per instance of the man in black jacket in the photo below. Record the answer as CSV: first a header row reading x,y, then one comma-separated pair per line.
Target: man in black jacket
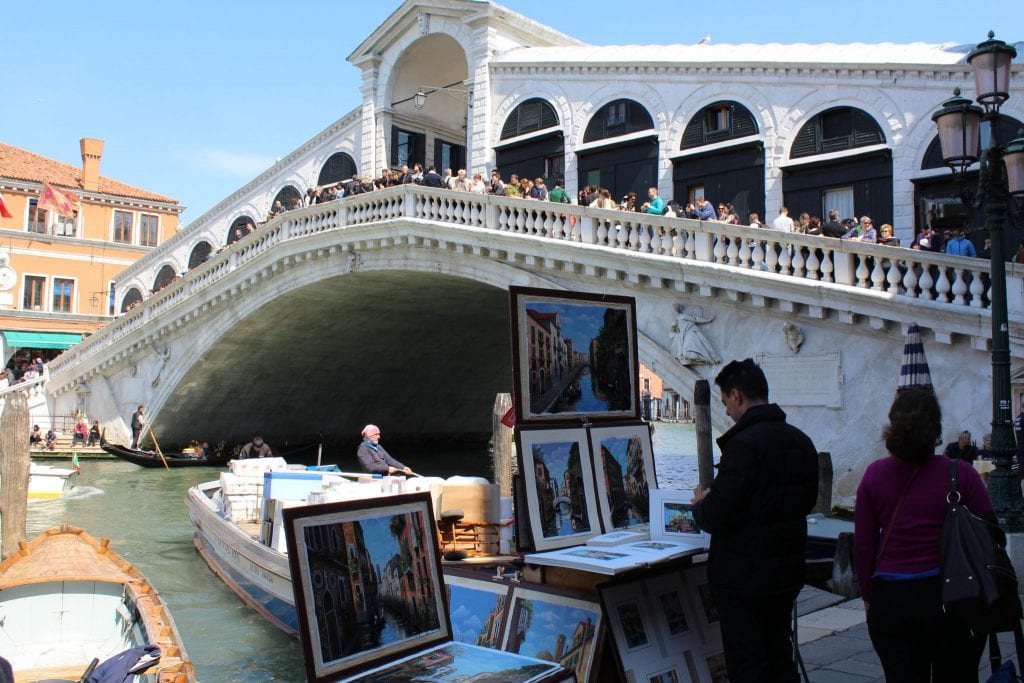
x,y
755,511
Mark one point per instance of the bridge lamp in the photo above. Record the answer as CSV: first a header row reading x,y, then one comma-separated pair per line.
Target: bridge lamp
x,y
963,128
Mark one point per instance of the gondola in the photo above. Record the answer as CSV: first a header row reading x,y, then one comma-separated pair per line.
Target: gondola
x,y
153,459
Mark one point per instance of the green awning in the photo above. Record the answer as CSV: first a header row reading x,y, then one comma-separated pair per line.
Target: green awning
x,y
40,340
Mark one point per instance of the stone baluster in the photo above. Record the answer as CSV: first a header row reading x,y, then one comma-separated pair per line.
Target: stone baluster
x,y
977,290
925,282
602,231
756,255
679,243
862,271
732,252
622,235
556,228
785,259
893,277
960,287
657,239
720,249
813,265
521,224
642,239
942,286
771,256
798,261
877,275
690,245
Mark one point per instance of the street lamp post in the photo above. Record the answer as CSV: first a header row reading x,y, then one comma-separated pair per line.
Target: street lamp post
x,y
962,125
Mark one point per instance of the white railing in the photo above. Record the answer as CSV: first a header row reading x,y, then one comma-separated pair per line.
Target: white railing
x,y
899,272
32,388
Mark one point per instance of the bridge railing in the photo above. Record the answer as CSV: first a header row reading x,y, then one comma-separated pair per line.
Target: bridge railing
x,y
895,271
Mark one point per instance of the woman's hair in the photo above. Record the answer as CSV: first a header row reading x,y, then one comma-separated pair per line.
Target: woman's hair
x,y
915,423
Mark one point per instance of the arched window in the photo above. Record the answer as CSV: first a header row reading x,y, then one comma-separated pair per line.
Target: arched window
x,y
338,167
164,277
532,115
620,117
132,298
717,122
285,196
240,227
1007,129
835,130
200,253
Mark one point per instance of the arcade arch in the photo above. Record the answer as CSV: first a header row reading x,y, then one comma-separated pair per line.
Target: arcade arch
x,y
244,225
164,277
541,154
200,253
132,297
629,165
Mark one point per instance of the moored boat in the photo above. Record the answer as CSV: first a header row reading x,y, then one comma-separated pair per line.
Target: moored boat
x,y
153,459
67,599
46,481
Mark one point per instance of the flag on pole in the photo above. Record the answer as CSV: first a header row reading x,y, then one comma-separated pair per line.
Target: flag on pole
x,y
3,208
75,465
51,199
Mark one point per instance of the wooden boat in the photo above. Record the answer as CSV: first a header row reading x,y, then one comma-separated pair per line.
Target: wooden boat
x,y
66,599
152,458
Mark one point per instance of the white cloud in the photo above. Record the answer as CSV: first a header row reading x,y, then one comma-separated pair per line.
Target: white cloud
x,y
226,162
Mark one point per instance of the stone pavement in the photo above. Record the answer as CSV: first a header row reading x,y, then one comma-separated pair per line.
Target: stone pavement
x,y
834,642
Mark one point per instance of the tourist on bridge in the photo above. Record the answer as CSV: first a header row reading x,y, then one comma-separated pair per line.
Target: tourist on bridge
x,y
255,449
138,424
756,512
372,456
899,514
654,204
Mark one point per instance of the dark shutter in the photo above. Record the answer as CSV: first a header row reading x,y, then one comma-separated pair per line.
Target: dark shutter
x,y
394,146
418,153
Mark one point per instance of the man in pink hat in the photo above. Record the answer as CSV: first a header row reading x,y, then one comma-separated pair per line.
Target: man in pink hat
x,y
372,456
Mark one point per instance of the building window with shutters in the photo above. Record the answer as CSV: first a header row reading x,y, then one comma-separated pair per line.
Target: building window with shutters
x,y
36,217
63,295
65,226
554,168
718,118
32,297
149,230
123,227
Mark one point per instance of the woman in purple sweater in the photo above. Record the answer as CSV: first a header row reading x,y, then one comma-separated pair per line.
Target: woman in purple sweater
x,y
901,505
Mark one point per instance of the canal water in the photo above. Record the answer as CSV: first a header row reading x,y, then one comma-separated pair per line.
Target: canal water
x,y
142,512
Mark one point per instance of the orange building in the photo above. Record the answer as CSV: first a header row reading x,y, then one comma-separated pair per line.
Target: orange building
x,y
56,272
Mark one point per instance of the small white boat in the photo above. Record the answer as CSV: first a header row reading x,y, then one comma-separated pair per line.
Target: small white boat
x,y
67,599
46,481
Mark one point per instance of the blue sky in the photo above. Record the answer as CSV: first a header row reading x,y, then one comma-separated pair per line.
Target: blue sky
x,y
195,98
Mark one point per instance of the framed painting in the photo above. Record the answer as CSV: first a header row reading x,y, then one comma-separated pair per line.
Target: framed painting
x,y
462,662
574,356
559,482
624,467
476,608
703,603
554,626
367,582
633,631
672,515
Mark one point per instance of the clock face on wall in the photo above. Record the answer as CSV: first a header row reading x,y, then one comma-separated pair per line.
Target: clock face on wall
x,y
7,278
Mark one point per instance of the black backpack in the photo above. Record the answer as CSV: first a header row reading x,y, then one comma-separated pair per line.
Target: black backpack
x,y
978,581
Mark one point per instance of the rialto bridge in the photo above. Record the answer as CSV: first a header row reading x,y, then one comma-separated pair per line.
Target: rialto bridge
x,y
392,307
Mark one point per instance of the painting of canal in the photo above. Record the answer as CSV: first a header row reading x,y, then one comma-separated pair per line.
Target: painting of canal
x,y
624,462
367,582
461,662
554,627
477,610
575,355
559,486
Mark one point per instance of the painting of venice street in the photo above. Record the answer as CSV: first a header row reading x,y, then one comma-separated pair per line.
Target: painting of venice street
x,y
579,358
625,481
561,496
559,633
372,582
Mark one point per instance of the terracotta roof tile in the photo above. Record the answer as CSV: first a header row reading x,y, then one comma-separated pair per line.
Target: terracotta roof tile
x,y
20,164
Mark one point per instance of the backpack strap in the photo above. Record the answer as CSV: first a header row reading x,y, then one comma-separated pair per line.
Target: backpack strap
x,y
953,498
995,656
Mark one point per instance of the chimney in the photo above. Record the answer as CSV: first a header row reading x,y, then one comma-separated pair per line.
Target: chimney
x,y
92,150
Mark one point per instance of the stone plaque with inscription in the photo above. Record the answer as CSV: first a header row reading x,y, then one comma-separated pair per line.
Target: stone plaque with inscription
x,y
804,380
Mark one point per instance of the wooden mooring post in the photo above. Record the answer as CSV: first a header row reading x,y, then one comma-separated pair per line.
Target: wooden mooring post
x,y
702,421
504,447
14,472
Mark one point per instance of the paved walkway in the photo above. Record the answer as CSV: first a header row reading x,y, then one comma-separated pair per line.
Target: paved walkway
x,y
834,643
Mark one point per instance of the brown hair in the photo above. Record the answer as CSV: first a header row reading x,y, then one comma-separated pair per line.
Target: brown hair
x,y
915,423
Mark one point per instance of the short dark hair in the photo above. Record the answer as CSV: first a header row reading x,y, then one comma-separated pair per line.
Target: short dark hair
x,y
915,423
746,376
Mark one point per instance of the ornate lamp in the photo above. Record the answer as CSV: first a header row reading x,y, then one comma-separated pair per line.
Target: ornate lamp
x,y
959,123
991,63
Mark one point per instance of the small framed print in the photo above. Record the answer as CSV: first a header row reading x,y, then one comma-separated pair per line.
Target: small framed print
x,y
672,517
559,482
353,565
704,604
624,467
557,626
476,607
629,617
683,667
462,662
670,599
574,355
717,670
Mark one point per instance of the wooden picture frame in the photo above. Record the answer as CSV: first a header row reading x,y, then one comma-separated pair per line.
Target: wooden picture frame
x,y
462,662
574,356
554,625
559,482
624,467
477,608
672,517
352,562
